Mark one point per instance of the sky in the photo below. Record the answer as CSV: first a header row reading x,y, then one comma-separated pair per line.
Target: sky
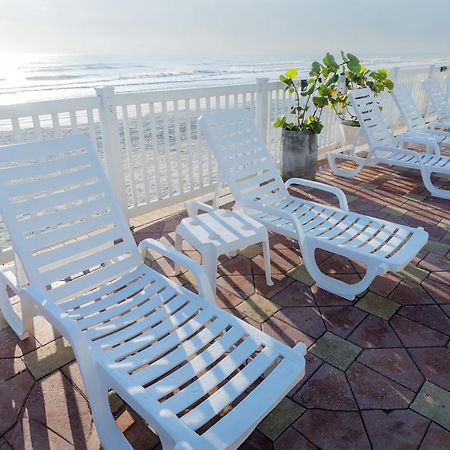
x,y
225,28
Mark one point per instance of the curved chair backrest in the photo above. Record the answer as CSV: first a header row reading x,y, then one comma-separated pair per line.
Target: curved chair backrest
x,y
369,116
436,96
245,164
64,222
408,109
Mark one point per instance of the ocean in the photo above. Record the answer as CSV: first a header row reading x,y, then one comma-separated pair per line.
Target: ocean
x,y
25,78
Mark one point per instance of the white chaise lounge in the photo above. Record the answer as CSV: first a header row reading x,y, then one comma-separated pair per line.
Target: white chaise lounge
x,y
439,103
414,121
200,377
247,167
384,148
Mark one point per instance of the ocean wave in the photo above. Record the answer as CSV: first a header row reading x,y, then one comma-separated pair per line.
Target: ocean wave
x,y
52,77
78,67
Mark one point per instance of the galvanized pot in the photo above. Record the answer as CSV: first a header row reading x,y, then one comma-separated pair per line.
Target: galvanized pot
x,y
298,154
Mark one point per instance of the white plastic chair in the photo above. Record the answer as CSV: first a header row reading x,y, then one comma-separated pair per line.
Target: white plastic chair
x,y
384,148
247,167
414,121
439,103
188,368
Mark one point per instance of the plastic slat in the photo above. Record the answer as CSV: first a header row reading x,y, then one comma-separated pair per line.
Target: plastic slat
x,y
74,248
214,376
201,414
168,303
171,325
127,304
47,167
56,236
66,215
109,299
57,199
177,344
254,407
63,271
62,181
180,355
196,365
119,303
91,280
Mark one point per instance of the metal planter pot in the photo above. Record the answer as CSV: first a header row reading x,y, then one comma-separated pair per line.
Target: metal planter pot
x,y
298,154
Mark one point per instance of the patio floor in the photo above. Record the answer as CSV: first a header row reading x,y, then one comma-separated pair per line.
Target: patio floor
x,y
378,368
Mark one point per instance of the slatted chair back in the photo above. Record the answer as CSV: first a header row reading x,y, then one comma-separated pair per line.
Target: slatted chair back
x,y
436,96
368,113
64,222
408,109
245,163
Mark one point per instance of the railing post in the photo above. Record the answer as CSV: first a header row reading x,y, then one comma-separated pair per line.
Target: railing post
x,y
262,106
394,74
428,110
111,144
392,113
447,86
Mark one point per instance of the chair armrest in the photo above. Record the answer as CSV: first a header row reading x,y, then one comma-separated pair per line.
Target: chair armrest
x,y
276,212
196,269
339,193
194,206
430,145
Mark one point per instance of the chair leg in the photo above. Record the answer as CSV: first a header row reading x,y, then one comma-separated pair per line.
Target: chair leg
x,y
178,242
330,284
266,256
109,433
346,173
209,263
21,325
434,191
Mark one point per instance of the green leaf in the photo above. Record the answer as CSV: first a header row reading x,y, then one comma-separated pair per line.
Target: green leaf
x,y
329,61
315,69
291,73
323,90
310,90
320,101
352,58
389,84
383,74
333,78
344,58
280,122
353,67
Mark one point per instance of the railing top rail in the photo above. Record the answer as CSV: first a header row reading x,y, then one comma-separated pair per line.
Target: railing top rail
x,y
181,94
48,107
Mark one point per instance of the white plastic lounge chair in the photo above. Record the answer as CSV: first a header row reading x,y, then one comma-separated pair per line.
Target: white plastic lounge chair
x,y
439,103
177,359
387,149
414,120
247,167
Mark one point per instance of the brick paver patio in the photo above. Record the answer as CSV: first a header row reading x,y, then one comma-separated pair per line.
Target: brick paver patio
x,y
378,368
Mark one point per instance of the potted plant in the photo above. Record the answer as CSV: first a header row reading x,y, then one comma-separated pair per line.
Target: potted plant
x,y
352,75
327,86
299,135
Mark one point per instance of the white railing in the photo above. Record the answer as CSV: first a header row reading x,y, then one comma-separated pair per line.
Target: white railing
x,y
150,144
